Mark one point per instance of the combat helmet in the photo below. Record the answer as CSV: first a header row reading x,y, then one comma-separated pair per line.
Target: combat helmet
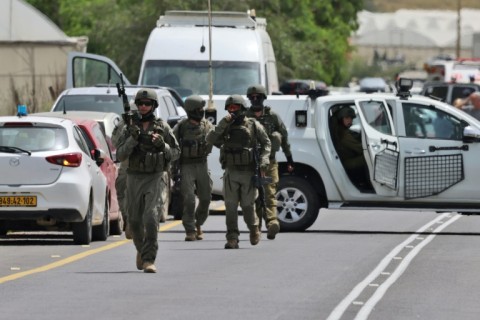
x,y
257,89
235,99
194,102
147,93
346,112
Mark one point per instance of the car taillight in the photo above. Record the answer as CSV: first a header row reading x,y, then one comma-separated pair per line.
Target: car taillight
x,y
66,160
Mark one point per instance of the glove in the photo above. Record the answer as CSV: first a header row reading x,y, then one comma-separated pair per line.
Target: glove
x,y
159,143
134,131
290,162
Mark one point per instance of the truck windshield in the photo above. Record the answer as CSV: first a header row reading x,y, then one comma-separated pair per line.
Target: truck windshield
x,y
191,77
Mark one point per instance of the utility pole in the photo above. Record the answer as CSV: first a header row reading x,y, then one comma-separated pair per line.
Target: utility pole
x,y
459,22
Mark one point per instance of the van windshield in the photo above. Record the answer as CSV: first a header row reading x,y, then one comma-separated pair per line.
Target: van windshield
x,y
191,77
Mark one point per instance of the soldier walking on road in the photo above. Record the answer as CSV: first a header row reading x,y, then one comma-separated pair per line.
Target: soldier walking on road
x,y
195,177
149,145
237,135
278,135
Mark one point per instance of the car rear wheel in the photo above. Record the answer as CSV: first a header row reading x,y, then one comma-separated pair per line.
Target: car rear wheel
x,y
101,232
116,226
297,204
82,231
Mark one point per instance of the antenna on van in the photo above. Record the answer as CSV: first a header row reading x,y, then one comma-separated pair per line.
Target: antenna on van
x,y
211,112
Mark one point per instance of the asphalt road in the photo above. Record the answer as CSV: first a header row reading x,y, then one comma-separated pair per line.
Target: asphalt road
x,y
348,265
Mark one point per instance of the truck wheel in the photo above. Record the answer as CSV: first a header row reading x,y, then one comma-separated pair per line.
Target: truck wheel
x,y
297,204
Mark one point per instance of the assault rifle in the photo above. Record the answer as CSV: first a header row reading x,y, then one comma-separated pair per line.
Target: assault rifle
x,y
128,116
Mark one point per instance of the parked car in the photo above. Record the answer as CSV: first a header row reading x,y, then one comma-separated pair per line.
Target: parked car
x,y
51,178
448,92
107,121
103,98
96,139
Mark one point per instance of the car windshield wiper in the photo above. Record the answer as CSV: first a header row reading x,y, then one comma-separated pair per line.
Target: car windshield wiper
x,y
8,149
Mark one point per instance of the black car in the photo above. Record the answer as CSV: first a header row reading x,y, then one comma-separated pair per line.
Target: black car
x,y
448,92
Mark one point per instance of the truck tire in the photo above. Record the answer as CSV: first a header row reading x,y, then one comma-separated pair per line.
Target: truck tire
x,y
297,204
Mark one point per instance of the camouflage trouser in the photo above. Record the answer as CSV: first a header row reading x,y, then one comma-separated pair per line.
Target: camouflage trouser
x,y
270,214
163,201
121,186
195,176
238,188
143,191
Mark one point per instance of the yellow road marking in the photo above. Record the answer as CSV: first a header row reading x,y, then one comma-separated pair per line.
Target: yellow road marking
x,y
76,257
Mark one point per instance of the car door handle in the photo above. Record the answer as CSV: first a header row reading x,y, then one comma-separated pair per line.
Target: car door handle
x,y
415,151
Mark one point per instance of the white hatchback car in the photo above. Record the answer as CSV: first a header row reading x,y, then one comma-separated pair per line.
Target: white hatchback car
x,y
50,178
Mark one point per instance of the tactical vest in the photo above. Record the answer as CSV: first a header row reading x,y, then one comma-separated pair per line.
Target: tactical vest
x,y
146,158
193,144
270,124
237,150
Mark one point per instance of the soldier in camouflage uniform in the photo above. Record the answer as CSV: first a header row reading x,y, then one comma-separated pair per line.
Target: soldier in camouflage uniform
x,y
195,176
350,150
277,132
121,186
149,145
237,135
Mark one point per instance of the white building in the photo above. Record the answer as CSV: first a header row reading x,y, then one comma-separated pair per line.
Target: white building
x,y
33,53
417,35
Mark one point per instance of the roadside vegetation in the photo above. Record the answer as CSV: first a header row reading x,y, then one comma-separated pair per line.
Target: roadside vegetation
x,y
310,37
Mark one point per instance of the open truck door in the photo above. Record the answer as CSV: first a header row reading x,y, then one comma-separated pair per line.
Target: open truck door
x,y
380,144
86,70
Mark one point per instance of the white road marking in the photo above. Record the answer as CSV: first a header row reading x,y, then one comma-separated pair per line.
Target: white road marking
x,y
340,309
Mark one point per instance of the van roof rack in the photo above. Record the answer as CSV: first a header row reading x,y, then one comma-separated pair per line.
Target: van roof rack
x,y
200,18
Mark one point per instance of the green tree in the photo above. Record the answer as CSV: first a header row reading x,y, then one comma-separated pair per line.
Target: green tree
x,y
310,37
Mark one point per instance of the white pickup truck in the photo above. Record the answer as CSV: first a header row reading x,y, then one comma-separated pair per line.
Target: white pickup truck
x,y
421,154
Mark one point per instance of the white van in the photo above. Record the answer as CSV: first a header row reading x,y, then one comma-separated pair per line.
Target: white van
x,y
177,53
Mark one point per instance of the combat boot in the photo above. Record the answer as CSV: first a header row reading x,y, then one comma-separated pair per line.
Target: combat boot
x,y
139,261
231,244
254,236
273,229
149,267
191,236
199,233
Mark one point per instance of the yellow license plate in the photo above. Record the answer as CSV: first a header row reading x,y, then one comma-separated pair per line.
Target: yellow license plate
x,y
18,201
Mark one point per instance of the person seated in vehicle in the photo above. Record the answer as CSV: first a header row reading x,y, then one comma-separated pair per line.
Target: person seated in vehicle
x,y
350,150
471,104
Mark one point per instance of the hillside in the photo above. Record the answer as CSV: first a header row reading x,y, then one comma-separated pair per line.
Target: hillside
x,y
390,6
